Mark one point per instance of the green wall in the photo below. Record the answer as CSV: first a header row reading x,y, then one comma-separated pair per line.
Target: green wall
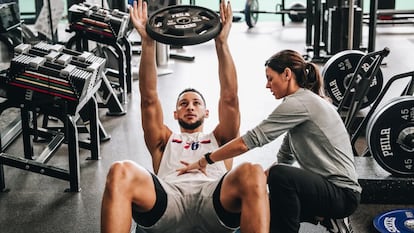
x,y
238,5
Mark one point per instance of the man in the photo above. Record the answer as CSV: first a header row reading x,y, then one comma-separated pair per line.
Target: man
x,y
215,200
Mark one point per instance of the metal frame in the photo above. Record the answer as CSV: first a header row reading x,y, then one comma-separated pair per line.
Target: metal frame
x,y
38,164
361,81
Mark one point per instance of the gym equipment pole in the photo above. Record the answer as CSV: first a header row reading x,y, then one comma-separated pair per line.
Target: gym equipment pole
x,y
317,29
309,22
373,6
52,33
351,24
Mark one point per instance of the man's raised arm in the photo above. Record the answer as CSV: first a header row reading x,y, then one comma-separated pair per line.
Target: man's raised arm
x,y
229,113
155,132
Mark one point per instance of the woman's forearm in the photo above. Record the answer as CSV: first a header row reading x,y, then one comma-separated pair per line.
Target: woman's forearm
x,y
231,149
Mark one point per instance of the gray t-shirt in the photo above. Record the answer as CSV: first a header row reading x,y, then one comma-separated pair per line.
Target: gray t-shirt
x,y
315,137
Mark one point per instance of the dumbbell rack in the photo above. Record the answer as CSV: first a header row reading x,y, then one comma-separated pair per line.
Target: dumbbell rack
x,y
92,29
106,94
32,101
123,50
378,185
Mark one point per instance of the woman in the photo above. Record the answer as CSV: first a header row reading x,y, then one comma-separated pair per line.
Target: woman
x,y
325,185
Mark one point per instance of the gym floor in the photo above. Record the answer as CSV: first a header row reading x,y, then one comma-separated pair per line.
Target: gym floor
x,y
36,203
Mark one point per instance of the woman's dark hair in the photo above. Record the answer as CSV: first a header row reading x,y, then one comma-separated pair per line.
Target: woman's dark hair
x,y
307,73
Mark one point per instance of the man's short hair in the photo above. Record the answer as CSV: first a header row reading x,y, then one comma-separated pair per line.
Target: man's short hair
x,y
190,89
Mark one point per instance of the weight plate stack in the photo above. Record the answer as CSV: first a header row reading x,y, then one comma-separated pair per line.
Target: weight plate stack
x,y
390,136
183,25
338,72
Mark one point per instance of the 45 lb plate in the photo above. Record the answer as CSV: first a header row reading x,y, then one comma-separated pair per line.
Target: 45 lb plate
x,y
338,72
390,136
183,25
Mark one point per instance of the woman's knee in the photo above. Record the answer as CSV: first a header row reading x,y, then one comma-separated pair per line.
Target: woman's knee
x,y
278,175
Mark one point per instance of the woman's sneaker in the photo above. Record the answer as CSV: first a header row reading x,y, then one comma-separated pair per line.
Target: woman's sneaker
x,y
342,225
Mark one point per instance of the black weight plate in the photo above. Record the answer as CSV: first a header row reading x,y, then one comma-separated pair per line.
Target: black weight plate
x,y
250,12
390,136
400,220
295,16
337,74
183,25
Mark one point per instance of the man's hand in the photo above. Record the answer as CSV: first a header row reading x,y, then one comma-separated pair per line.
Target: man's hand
x,y
201,165
226,16
139,16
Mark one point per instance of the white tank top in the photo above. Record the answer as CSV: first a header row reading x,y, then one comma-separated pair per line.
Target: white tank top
x,y
189,148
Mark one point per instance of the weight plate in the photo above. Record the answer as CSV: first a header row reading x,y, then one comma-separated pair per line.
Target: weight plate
x,y
251,12
294,15
183,25
390,136
337,74
400,220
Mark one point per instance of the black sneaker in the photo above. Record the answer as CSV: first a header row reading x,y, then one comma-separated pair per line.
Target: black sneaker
x,y
342,225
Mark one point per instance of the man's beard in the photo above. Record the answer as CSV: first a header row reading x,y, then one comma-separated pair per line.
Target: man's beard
x,y
190,126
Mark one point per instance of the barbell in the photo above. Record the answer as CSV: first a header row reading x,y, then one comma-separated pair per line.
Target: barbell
x,y
296,12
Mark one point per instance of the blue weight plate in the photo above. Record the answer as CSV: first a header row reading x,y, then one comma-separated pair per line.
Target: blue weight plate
x,y
400,220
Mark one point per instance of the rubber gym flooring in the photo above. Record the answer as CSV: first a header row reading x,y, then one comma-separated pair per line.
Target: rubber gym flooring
x,y
36,203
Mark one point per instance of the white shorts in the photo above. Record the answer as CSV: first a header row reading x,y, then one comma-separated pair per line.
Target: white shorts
x,y
189,209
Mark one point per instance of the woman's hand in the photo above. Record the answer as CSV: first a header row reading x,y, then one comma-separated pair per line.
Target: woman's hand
x,y
200,165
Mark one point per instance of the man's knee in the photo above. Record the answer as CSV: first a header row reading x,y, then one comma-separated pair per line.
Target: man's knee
x,y
119,170
248,176
122,173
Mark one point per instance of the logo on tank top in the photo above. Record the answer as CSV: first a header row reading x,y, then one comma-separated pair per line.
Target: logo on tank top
x,y
193,145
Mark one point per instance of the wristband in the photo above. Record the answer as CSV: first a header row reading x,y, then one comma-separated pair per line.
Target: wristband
x,y
208,159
